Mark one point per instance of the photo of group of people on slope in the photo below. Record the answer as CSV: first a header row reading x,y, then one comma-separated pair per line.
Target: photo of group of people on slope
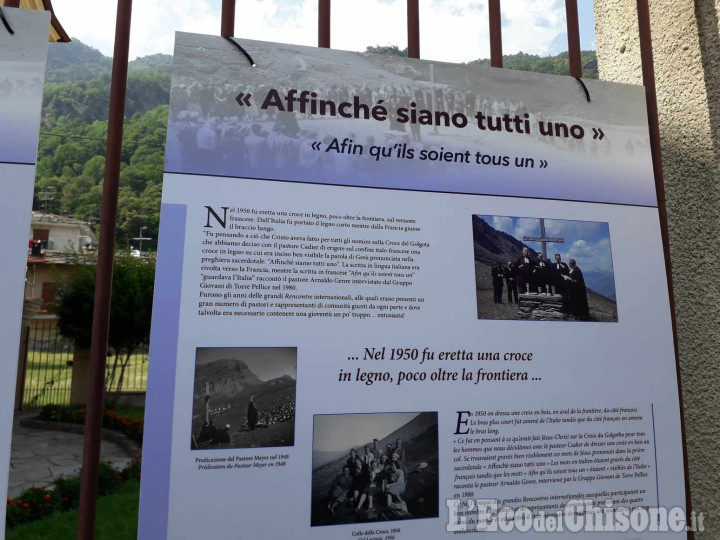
x,y
375,477
516,276
388,479
539,275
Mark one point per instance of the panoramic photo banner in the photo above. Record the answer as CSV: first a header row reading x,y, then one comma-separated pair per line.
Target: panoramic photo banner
x,y
379,121
23,56
405,299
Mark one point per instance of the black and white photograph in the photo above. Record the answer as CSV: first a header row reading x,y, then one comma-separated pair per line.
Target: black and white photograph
x,y
228,129
540,269
244,397
369,467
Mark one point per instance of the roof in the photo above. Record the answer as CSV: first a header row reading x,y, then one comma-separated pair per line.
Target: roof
x,y
57,33
42,217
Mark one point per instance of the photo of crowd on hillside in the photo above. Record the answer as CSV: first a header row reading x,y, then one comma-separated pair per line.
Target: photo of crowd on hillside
x,y
220,123
543,269
374,467
212,133
244,397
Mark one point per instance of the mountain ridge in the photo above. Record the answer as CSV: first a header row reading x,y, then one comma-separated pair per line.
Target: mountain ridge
x,y
230,378
77,61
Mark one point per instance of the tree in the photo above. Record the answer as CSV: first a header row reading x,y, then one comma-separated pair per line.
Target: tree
x,y
71,163
130,310
388,50
557,65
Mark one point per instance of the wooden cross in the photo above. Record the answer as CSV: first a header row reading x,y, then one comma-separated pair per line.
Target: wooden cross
x,y
544,240
207,402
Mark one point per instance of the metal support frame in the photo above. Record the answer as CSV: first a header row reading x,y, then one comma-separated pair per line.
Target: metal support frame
x,y
324,24
227,20
101,316
573,34
413,28
495,20
103,280
23,374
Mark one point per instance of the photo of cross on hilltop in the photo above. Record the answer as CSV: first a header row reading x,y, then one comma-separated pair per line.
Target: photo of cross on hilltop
x,y
244,397
543,269
374,467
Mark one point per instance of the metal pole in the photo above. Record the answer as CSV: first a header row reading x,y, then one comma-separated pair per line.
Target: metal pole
x,y
12,3
227,22
648,74
23,376
413,28
496,56
324,23
573,33
103,280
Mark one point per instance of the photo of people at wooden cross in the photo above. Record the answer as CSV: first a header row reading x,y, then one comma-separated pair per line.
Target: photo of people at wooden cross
x,y
374,467
542,269
244,397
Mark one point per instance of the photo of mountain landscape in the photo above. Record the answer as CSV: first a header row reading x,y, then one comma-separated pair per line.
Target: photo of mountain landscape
x,y
546,295
374,467
244,397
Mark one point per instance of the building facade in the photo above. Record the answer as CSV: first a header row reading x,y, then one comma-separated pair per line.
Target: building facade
x,y
686,45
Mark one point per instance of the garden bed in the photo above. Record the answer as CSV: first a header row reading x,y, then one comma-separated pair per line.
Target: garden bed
x,y
37,503
127,423
123,427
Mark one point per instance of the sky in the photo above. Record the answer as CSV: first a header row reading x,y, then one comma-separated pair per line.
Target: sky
x,y
334,432
265,362
588,242
450,30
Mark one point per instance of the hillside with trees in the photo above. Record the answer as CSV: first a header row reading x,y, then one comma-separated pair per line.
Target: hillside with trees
x,y
71,153
554,65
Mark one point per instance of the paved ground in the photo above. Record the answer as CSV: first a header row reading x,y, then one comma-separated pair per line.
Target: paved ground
x,y
39,456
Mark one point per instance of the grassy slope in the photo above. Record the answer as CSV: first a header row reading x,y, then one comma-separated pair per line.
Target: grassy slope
x,y
116,519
